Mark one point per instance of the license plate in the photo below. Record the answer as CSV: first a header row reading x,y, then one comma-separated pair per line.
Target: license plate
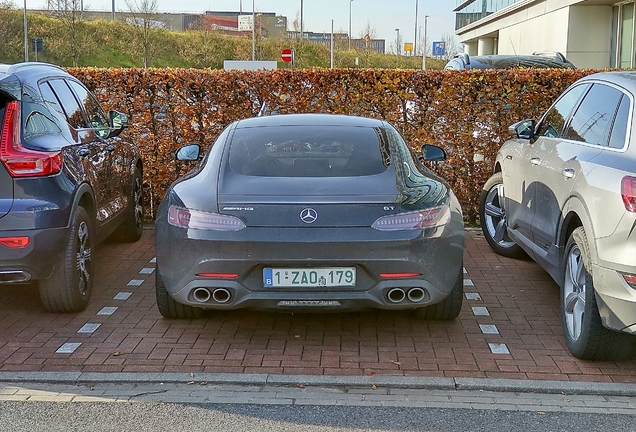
x,y
311,277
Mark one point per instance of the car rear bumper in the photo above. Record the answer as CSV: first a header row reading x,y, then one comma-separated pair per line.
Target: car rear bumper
x,y
438,261
616,300
36,260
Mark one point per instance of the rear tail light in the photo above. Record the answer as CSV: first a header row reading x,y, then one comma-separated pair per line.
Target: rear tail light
x,y
218,275
399,275
19,161
628,192
185,218
630,279
429,218
14,242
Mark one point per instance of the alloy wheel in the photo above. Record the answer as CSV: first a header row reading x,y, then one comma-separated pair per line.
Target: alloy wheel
x,y
83,255
574,290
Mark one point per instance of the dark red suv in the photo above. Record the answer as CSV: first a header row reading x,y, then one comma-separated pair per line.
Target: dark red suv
x,y
68,179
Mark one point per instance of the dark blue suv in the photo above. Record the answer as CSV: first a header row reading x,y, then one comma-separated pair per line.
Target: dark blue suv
x,y
68,180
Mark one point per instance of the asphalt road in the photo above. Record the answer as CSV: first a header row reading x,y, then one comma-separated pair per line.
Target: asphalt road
x,y
141,417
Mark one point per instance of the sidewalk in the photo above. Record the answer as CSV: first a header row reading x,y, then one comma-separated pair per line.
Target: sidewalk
x,y
476,394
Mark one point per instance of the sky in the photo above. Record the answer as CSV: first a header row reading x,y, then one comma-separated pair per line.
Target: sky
x,y
385,16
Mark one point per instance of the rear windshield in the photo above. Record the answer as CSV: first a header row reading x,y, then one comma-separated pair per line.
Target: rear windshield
x,y
309,151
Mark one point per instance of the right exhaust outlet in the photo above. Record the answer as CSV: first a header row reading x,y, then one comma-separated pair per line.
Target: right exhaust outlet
x,y
416,294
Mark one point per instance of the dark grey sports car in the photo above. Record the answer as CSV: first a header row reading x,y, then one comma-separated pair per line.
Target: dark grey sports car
x,y
310,211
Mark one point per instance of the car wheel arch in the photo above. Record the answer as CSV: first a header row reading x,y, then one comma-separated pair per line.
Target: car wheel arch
x,y
85,198
575,214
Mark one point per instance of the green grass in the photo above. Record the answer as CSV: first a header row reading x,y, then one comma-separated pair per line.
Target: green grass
x,y
113,44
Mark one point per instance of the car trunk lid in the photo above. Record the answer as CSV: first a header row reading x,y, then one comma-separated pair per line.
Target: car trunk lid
x,y
325,202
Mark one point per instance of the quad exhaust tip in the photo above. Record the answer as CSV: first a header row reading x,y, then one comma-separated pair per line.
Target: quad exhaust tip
x,y
396,295
219,295
415,295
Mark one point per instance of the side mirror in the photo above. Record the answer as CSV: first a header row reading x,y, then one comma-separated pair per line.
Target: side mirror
x,y
433,153
523,129
118,120
188,153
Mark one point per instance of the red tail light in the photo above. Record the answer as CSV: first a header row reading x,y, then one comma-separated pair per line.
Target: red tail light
x,y
185,218
14,242
429,218
21,162
399,275
628,192
219,275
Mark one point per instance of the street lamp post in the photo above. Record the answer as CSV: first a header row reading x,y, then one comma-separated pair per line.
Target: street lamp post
x,y
417,2
253,33
26,36
113,11
424,50
350,2
301,19
397,41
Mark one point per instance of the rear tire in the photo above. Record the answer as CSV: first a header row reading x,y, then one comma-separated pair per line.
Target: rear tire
x,y
69,288
169,308
492,219
132,227
450,307
585,335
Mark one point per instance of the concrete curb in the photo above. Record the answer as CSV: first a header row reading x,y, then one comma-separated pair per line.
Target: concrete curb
x,y
423,383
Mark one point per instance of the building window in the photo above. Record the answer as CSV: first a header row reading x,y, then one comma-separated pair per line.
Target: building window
x,y
623,36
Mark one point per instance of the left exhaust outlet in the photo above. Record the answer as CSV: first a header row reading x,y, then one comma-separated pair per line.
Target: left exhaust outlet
x,y
202,295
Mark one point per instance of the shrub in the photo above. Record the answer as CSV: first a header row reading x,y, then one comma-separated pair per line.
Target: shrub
x,y
467,113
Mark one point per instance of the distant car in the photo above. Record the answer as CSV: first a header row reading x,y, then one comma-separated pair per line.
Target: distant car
x,y
68,179
564,191
537,60
309,211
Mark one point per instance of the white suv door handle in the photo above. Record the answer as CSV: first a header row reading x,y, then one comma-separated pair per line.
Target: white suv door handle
x,y
535,161
568,173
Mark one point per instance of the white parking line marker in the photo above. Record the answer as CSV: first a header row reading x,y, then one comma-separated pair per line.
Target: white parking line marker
x,y
154,260
472,296
489,329
89,328
122,296
465,271
498,348
480,311
468,282
135,282
107,311
147,270
68,348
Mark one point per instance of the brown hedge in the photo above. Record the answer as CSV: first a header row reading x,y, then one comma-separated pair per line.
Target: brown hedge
x,y
467,113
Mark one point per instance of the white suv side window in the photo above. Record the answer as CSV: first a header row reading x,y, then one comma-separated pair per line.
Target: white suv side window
x,y
618,136
592,121
555,119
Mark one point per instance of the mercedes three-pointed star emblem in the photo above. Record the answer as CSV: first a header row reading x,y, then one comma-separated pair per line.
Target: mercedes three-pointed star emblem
x,y
308,215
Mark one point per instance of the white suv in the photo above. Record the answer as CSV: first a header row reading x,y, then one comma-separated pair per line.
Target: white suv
x,y
564,192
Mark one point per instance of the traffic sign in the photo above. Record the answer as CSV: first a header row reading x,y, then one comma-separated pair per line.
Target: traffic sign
x,y
288,55
439,49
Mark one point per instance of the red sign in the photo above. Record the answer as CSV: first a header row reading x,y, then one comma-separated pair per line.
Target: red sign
x,y
288,55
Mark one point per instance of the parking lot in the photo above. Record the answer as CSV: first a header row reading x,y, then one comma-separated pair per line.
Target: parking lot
x,y
509,327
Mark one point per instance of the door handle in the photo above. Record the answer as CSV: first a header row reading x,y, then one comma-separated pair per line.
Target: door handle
x,y
535,161
83,152
110,147
568,173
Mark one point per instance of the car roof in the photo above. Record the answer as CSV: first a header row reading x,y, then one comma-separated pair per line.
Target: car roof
x,y
309,120
27,69
541,60
625,79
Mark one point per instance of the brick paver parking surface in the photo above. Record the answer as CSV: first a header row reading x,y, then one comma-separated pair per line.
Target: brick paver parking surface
x,y
509,328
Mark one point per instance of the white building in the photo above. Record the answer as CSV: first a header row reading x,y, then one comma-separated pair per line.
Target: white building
x,y
590,33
